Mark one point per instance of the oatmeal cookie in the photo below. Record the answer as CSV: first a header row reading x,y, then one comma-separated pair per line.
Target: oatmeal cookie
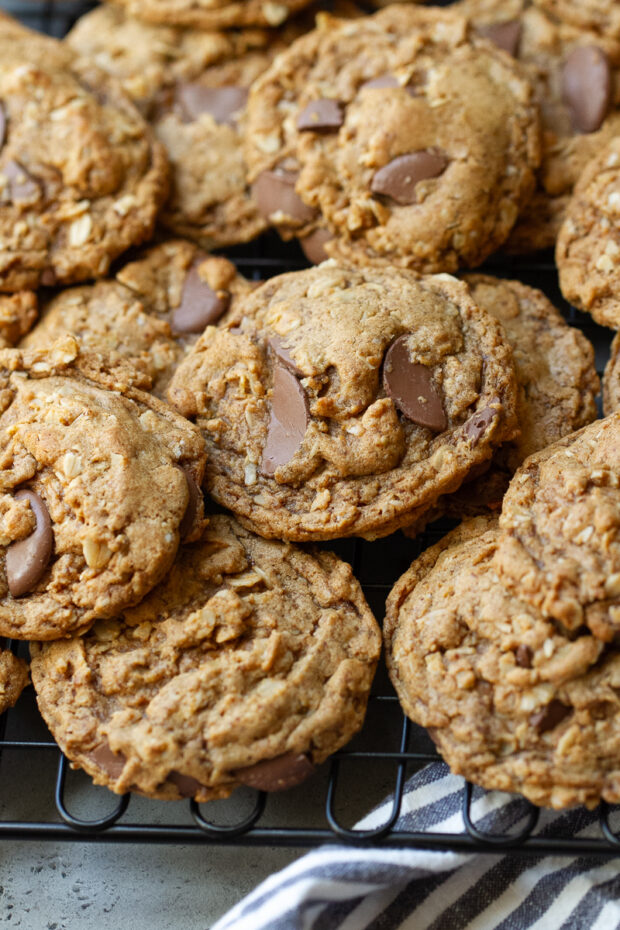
x,y
213,14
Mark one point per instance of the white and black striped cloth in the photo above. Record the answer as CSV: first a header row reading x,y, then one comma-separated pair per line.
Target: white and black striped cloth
x,y
351,888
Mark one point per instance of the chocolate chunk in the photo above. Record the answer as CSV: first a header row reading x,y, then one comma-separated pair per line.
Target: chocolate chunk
x,y
586,87
193,503
477,425
48,277
288,422
222,103
410,385
2,124
549,717
27,559
323,115
186,784
386,80
279,349
399,177
274,192
200,304
112,763
505,35
277,774
23,188
524,656
313,246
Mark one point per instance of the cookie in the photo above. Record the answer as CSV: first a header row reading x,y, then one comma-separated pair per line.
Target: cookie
x,y
598,15
557,389
149,314
82,177
249,665
611,379
98,486
560,549
192,87
340,400
414,141
13,679
589,241
18,313
213,14
512,702
576,80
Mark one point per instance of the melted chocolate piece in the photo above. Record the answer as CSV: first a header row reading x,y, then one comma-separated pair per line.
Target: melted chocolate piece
x,y
524,656
193,503
385,80
200,305
477,425
313,246
23,188
549,717
274,192
112,763
222,103
323,115
505,35
288,422
27,559
399,177
586,87
187,785
411,387
277,774
284,355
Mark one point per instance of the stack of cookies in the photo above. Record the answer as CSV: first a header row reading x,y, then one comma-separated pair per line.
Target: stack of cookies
x,y
170,430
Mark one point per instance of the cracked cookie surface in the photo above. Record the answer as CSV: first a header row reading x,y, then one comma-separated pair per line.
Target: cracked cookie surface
x,y
512,702
14,677
149,314
250,664
98,484
82,174
412,139
214,14
335,400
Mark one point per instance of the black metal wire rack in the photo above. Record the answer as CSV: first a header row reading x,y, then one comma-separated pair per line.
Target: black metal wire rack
x,y
56,803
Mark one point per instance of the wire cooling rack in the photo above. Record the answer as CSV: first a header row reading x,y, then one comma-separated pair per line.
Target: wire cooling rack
x,y
55,803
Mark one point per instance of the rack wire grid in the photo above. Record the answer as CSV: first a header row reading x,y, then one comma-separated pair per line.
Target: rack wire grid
x,y
56,803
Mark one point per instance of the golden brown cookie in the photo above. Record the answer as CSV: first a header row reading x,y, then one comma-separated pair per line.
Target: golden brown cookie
x,y
576,79
599,15
81,175
589,242
611,379
99,482
149,314
512,702
414,141
340,400
13,679
249,665
560,548
213,14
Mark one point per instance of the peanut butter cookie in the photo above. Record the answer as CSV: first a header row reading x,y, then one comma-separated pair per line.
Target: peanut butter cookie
x,y
335,401
249,665
99,483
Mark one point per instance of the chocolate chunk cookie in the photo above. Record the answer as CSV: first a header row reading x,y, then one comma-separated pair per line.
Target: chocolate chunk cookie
x,y
249,665
213,14
512,702
599,15
557,388
192,87
98,486
560,549
339,400
13,679
589,242
81,175
412,139
149,314
575,76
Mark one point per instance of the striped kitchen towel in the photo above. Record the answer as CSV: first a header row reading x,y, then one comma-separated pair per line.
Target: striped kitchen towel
x,y
353,888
